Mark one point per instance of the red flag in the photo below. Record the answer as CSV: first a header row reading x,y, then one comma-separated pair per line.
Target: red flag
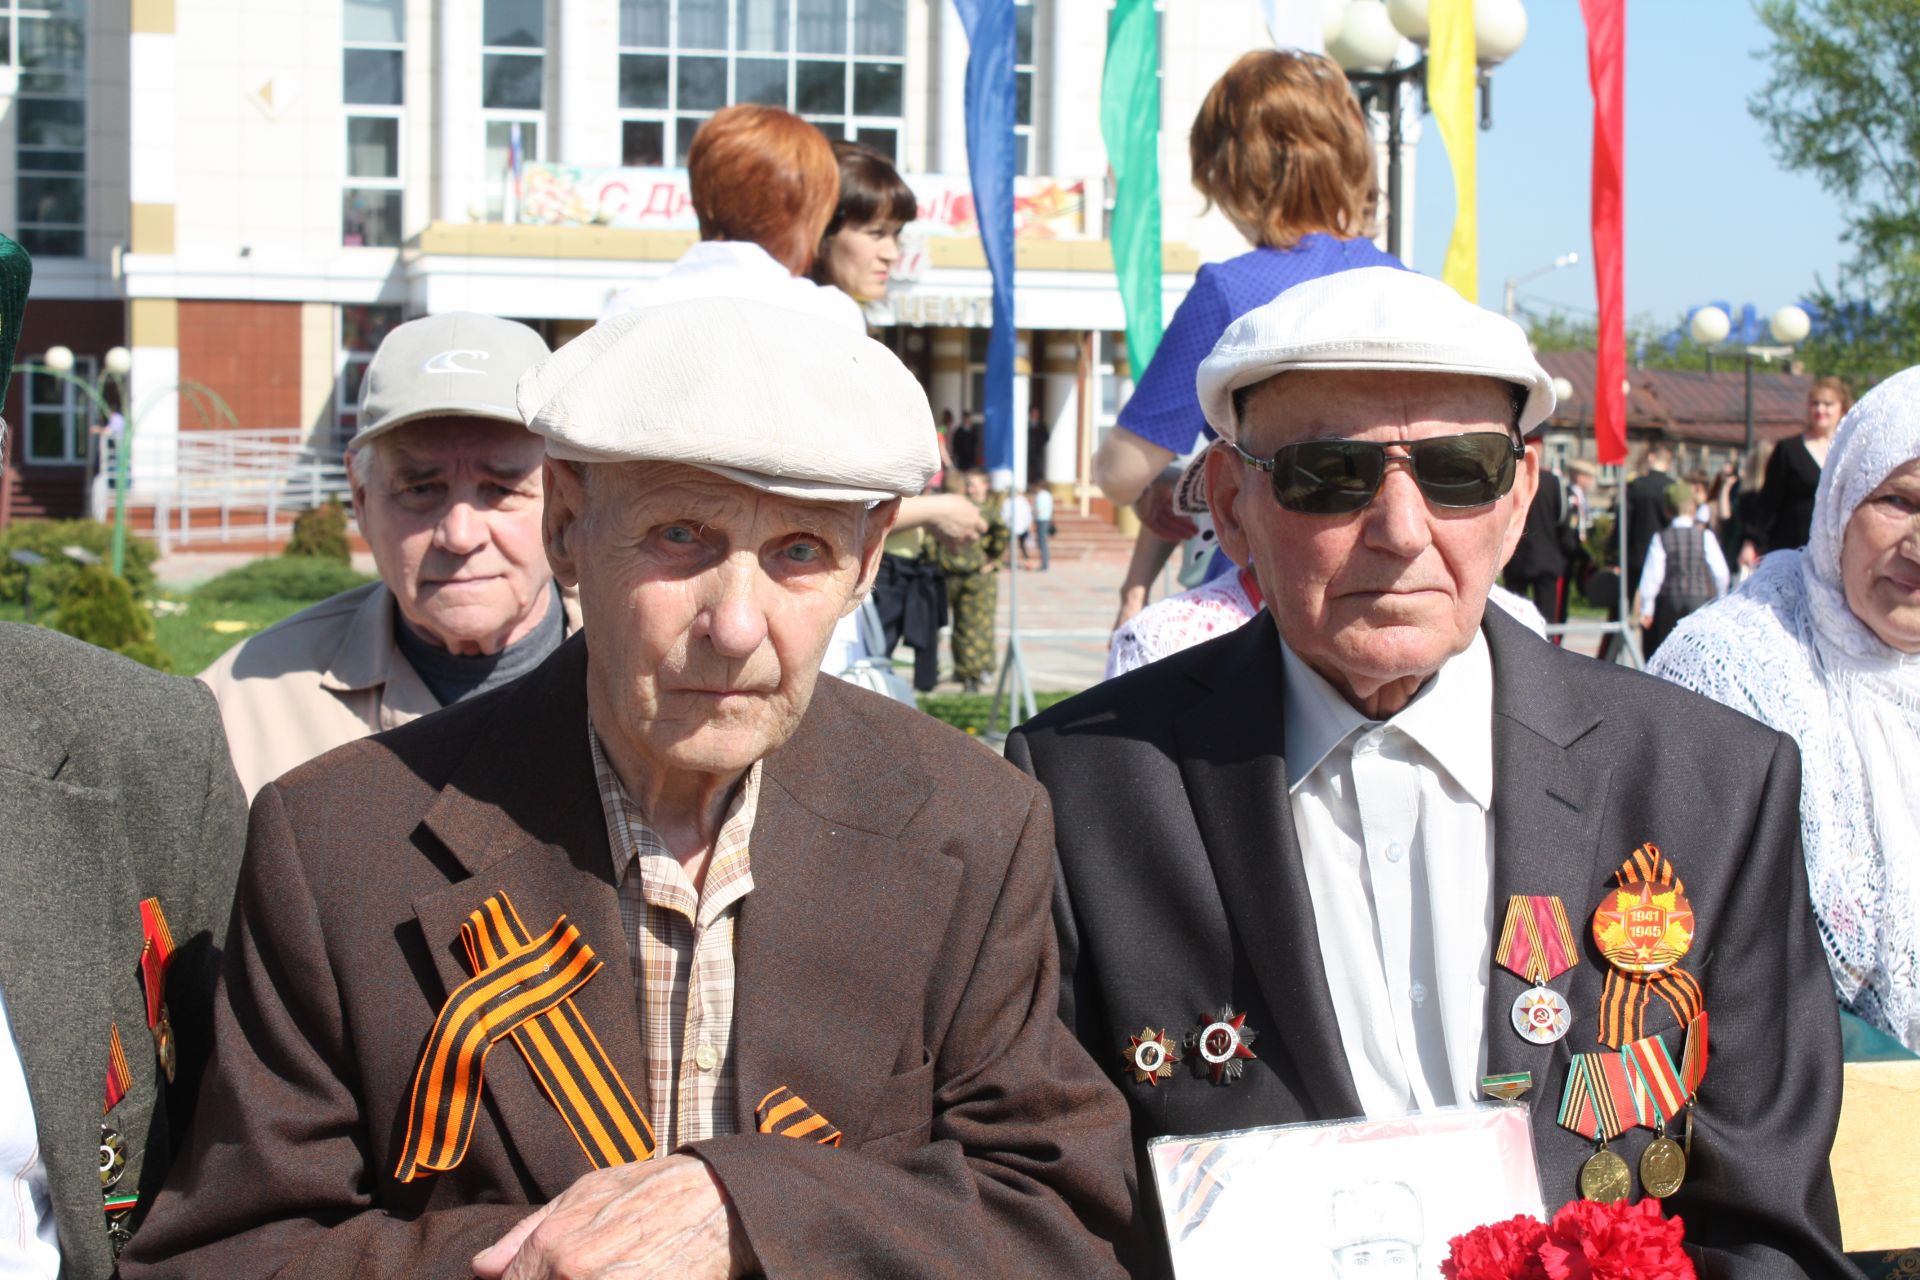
x,y
1606,68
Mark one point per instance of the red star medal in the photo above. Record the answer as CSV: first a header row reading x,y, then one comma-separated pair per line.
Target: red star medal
x,y
1222,1043
1150,1056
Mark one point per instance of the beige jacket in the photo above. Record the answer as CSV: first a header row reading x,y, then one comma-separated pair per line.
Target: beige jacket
x,y
327,676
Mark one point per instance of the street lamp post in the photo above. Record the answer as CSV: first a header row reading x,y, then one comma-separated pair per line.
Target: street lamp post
x,y
1365,37
1788,327
1514,282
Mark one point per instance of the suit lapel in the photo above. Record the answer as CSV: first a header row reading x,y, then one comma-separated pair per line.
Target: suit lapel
x,y
1232,758
546,847
1547,812
69,965
829,867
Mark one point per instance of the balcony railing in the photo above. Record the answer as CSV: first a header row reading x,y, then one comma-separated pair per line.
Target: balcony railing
x,y
207,487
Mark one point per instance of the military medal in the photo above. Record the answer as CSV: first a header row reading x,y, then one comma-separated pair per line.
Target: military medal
x,y
1658,1096
1507,1088
113,1157
1536,943
119,1210
1151,1056
1219,1046
1589,1107
1663,1167
1644,926
155,952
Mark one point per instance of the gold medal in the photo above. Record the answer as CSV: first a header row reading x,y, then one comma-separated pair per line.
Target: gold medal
x,y
1605,1178
1663,1167
163,1044
1150,1056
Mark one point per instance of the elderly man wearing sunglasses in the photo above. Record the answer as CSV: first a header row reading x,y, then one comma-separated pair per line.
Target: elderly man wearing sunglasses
x,y
1288,857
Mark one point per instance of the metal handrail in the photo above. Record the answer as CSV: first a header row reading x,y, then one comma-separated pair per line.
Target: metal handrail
x,y
256,480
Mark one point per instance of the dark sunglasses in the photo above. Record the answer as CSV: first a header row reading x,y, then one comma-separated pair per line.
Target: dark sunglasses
x,y
1334,477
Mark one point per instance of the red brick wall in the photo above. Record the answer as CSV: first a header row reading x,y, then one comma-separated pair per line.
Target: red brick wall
x,y
89,328
249,352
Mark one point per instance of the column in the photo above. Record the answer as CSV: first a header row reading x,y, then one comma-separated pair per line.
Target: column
x,y
1059,364
949,382
949,108
458,137
153,175
586,79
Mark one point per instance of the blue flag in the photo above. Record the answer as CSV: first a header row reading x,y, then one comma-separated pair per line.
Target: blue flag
x,y
990,106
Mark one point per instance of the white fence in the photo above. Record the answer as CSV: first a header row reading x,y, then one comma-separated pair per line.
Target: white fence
x,y
229,486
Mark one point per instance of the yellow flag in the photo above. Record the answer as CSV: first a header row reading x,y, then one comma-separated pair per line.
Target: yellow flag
x,y
1452,75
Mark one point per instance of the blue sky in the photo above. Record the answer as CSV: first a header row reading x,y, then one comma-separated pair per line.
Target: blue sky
x,y
1711,216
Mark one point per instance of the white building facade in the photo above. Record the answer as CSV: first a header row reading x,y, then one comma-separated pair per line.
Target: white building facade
x,y
249,193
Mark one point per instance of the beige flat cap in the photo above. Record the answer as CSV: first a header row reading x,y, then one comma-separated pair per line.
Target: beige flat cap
x,y
1370,318
769,397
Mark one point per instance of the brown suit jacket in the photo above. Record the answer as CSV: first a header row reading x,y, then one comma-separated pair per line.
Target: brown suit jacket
x,y
896,969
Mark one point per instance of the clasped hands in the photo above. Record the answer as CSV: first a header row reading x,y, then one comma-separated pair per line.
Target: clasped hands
x,y
669,1216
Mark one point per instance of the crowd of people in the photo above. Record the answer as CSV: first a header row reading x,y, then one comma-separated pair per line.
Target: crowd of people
x,y
799,981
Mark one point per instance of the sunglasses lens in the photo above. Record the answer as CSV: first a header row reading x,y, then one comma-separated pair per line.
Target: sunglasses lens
x,y
1327,477
1464,471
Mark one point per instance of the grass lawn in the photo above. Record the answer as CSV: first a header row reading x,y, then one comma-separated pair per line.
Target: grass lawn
x,y
194,638
969,711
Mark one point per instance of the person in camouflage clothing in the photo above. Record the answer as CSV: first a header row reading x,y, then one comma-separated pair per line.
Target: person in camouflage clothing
x,y
972,589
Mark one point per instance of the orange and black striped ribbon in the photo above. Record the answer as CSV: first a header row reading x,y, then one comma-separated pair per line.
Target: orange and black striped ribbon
x,y
786,1114
1693,1058
156,950
446,1087
1625,997
1198,1179
566,1057
119,1075
1596,1085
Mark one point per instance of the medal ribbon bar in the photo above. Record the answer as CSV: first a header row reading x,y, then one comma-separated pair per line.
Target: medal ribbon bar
x,y
155,951
1537,941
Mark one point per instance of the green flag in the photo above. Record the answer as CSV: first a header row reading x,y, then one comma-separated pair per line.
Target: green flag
x,y
1130,126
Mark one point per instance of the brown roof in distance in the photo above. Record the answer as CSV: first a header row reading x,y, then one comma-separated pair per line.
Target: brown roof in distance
x,y
1687,404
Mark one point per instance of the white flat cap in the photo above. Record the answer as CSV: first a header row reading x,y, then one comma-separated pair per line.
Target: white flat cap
x,y
766,396
458,364
1370,318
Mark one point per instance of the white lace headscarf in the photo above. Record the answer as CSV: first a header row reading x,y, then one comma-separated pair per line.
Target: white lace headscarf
x,y
1787,649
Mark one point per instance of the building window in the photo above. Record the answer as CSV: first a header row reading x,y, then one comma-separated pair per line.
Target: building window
x,y
362,329
839,63
373,89
1023,64
513,79
58,415
45,41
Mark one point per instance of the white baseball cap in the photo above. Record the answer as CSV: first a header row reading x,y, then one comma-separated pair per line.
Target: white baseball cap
x,y
772,398
1370,318
457,364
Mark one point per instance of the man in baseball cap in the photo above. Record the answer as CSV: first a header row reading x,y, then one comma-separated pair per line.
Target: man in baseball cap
x,y
1335,814
791,1010
447,490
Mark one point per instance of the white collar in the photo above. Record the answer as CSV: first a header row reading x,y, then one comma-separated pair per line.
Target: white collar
x,y
1682,521
728,255
1451,719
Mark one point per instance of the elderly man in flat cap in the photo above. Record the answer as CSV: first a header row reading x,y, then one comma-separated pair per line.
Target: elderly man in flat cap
x,y
446,487
759,997
1381,850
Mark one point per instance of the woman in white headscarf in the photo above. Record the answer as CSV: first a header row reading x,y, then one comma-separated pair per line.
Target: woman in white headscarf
x,y
1824,644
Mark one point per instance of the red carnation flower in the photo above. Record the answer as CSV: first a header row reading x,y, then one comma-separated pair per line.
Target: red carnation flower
x,y
1507,1250
1589,1241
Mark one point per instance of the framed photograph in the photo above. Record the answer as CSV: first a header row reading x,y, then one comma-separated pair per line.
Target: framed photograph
x,y
1379,1199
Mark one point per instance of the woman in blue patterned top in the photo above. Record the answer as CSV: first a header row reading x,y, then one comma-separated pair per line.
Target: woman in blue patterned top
x,y
1281,148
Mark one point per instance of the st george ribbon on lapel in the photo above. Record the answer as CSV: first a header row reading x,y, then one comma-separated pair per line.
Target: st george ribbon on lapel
x,y
521,987
1648,886
786,1114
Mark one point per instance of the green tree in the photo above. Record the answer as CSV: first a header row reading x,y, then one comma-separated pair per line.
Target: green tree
x,y
1842,101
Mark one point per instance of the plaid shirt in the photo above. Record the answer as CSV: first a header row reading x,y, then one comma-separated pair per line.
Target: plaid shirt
x,y
681,946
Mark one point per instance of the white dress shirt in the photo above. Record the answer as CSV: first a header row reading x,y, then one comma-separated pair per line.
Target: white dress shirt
x,y
1396,832
29,1248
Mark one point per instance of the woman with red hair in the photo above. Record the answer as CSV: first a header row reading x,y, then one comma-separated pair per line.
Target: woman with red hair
x,y
764,185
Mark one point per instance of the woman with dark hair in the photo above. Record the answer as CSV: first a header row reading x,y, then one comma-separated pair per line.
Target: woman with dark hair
x,y
862,242
1280,147
1783,509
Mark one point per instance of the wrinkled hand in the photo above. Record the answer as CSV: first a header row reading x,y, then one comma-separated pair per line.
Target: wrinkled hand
x,y
1155,509
953,519
669,1216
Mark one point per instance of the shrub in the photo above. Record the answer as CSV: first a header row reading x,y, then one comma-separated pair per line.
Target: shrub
x,y
321,533
99,608
304,578
49,538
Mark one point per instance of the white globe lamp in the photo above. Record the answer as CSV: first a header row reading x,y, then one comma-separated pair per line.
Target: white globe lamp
x,y
1790,325
1367,39
1499,29
1709,326
1333,14
1409,18
118,361
1562,391
58,359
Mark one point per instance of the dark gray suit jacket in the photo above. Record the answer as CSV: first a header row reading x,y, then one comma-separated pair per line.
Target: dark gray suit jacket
x,y
114,786
1181,887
